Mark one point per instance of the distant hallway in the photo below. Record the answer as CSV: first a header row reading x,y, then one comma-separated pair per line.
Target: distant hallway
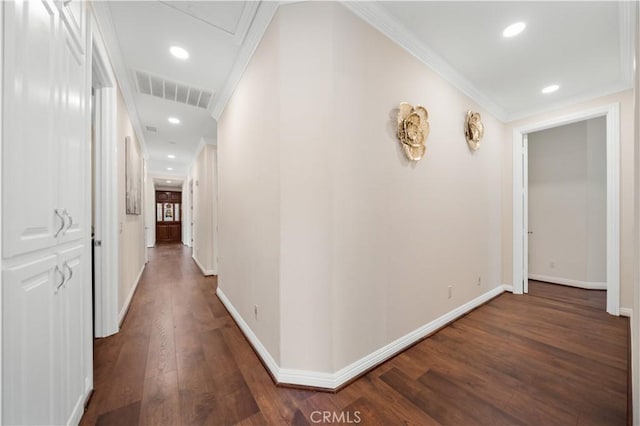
x,y
551,357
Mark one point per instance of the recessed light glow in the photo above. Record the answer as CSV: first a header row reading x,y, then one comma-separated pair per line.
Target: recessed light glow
x,y
171,156
514,29
179,52
169,168
174,120
168,181
550,89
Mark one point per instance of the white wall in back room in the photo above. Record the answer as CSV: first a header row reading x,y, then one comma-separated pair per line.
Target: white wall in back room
x,y
567,204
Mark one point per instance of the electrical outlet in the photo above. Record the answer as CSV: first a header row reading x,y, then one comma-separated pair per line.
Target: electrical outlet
x,y
255,311
479,280
450,291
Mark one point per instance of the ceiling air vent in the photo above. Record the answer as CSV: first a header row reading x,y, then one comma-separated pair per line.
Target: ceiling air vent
x,y
151,129
160,87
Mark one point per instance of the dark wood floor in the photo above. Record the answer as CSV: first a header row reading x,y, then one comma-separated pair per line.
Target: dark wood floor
x,y
551,357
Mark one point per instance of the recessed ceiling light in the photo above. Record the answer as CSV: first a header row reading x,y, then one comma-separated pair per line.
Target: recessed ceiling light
x,y
550,89
168,181
169,168
179,52
174,120
514,29
171,155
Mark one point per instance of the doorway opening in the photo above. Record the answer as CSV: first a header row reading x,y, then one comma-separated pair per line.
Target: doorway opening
x,y
104,199
566,209
611,114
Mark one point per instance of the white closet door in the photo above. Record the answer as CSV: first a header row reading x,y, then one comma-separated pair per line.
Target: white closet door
x,y
73,332
30,394
75,141
30,147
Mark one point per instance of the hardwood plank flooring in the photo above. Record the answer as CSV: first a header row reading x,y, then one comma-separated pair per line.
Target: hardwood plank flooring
x,y
552,357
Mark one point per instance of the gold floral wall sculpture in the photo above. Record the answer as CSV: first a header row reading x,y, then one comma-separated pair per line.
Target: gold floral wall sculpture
x,y
413,130
473,130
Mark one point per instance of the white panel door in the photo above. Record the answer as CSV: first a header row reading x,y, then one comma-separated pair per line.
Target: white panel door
x,y
30,145
74,142
73,331
73,14
29,384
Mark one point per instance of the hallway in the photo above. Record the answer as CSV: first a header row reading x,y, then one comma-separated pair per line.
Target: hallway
x,y
180,359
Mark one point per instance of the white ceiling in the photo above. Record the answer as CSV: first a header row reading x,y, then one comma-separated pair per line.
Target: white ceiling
x,y
139,34
585,47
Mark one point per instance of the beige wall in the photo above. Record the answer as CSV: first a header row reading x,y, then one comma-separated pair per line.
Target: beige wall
x,y
322,219
249,194
204,208
567,202
625,99
131,239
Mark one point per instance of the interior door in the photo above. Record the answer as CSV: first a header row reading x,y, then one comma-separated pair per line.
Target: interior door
x,y
525,210
30,127
73,126
29,394
168,216
74,331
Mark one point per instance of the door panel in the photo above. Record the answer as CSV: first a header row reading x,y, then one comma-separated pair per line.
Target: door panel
x,y
28,334
29,129
76,332
75,140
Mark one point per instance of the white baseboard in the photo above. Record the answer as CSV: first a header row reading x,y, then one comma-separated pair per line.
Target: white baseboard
x,y
257,344
127,302
206,272
626,312
507,287
332,381
572,283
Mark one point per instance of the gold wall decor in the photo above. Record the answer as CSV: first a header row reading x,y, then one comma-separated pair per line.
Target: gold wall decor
x,y
473,130
413,130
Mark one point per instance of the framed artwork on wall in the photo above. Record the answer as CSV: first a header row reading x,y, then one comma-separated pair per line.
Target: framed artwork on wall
x,y
133,177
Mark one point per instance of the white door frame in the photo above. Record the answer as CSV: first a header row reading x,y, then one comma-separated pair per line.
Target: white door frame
x,y
107,257
520,192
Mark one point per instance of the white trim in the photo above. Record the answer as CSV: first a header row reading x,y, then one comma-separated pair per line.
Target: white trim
x,y
378,18
1,195
249,334
104,21
569,282
626,312
626,34
333,381
106,301
612,114
507,288
127,302
242,27
206,272
262,19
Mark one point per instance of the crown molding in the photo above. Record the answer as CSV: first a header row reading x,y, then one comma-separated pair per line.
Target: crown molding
x,y
382,21
244,23
627,26
104,21
262,19
378,18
